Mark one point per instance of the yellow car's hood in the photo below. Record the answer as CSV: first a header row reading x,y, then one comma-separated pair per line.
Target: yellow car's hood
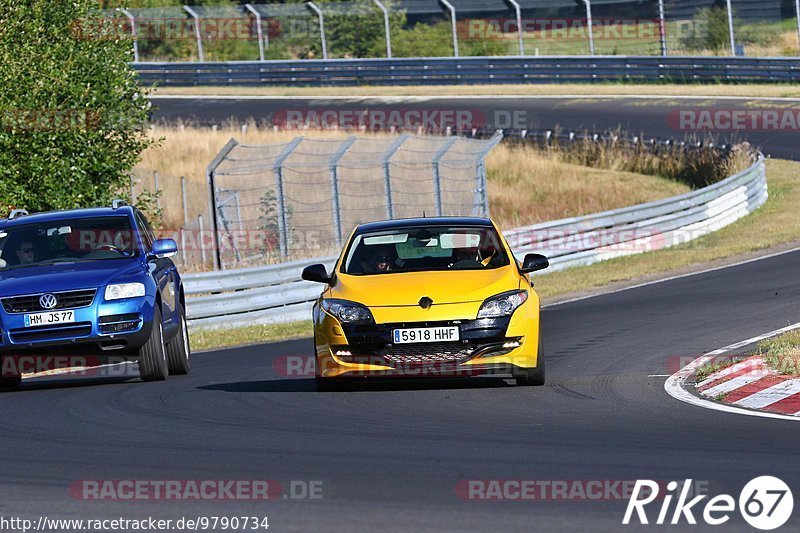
x,y
445,287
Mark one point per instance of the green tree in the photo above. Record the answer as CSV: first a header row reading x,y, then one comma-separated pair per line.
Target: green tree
x,y
73,117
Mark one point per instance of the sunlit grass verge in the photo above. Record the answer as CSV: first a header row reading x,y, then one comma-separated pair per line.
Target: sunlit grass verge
x,y
782,353
774,224
208,339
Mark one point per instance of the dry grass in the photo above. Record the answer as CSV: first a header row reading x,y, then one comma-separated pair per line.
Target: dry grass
x,y
782,353
525,185
774,90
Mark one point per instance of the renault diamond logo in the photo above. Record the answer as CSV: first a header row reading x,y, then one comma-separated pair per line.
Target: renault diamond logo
x,y
48,301
425,302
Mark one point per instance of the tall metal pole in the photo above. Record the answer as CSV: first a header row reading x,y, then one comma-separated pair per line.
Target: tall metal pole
x,y
283,220
589,25
259,30
387,174
662,27
386,27
797,12
133,34
730,28
318,11
437,179
334,171
449,6
519,26
196,18
212,200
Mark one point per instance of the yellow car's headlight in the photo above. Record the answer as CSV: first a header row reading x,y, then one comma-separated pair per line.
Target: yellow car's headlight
x,y
348,312
502,304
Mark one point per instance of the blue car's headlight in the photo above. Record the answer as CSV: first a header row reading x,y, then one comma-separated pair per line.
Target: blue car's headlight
x,y
348,312
120,291
502,304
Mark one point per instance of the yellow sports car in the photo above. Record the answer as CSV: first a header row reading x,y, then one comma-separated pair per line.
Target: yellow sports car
x,y
427,297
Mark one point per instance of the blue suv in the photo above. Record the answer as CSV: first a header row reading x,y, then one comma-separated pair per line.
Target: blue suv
x,y
90,281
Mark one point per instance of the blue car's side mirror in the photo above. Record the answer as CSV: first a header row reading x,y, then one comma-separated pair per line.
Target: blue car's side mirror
x,y
164,248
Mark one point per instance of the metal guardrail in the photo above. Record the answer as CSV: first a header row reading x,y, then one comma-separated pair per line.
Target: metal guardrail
x,y
277,294
474,70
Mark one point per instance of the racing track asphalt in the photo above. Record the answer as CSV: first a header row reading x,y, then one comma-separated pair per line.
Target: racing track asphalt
x,y
390,454
652,116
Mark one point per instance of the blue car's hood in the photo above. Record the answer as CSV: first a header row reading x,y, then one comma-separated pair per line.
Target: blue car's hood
x,y
64,276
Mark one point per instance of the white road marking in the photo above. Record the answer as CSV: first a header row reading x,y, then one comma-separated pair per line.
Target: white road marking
x,y
674,385
771,395
730,370
736,383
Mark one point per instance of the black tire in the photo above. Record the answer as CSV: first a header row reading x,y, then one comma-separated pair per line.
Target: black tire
x,y
178,349
153,355
532,376
9,383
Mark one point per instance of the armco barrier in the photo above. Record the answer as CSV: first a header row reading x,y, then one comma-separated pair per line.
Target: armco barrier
x,y
277,294
474,70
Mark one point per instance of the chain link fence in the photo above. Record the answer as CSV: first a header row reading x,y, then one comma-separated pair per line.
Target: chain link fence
x,y
441,28
302,198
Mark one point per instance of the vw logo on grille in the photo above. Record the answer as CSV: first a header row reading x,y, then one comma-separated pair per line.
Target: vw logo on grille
x,y
48,301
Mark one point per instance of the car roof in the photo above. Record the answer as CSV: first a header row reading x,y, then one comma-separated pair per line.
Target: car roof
x,y
54,216
416,222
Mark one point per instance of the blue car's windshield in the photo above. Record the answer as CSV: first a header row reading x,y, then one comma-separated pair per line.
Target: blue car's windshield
x,y
66,241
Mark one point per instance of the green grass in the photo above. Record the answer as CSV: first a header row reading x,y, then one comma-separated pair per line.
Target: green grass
x,y
775,224
704,371
209,339
782,353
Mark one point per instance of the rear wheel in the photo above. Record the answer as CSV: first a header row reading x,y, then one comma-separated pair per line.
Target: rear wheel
x,y
10,382
178,349
532,376
153,355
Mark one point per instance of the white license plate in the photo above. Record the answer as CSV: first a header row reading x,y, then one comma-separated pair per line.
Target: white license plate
x,y
405,336
47,319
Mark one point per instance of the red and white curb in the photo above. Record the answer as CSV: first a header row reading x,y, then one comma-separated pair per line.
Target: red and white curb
x,y
745,386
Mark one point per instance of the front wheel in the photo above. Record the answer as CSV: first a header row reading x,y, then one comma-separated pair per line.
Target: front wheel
x,y
178,349
532,376
153,355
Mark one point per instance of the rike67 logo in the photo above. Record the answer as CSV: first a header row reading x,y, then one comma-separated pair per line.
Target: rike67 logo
x,y
765,503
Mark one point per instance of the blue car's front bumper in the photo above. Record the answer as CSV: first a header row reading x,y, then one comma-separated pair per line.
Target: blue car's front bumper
x,y
104,326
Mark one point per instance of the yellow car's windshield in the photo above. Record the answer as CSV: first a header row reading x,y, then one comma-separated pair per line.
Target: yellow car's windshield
x,y
425,248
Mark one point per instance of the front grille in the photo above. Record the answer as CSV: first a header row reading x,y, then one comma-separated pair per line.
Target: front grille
x,y
426,354
65,300
80,329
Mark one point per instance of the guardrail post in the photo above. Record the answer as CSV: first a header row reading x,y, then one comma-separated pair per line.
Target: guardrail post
x,y
450,7
387,174
283,221
730,28
334,162
519,26
133,34
196,18
386,27
437,181
318,11
662,26
259,30
212,200
589,25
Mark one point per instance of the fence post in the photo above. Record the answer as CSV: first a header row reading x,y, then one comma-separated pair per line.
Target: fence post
x,y
518,10
662,27
133,34
259,30
200,238
185,219
318,11
589,25
212,198
333,165
283,221
157,188
387,173
452,9
481,204
133,191
437,182
730,28
196,18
